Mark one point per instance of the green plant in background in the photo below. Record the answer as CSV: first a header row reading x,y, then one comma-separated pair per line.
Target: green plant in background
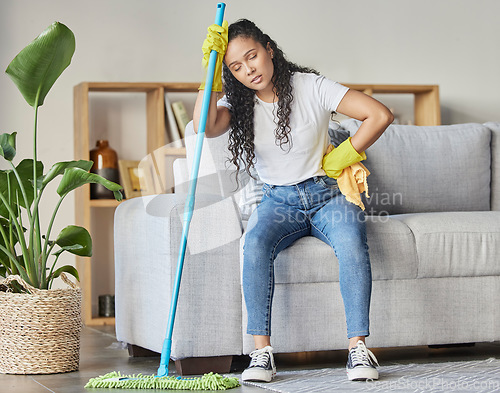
x,y
24,249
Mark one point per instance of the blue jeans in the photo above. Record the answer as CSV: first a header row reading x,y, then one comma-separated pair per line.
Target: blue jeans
x,y
314,207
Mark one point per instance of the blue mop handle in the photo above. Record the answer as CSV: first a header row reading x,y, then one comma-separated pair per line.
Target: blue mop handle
x,y
189,206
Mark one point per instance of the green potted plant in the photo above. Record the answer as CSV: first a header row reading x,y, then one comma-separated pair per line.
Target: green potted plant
x,y
26,252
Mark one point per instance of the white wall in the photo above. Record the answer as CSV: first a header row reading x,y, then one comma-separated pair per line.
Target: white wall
x,y
452,43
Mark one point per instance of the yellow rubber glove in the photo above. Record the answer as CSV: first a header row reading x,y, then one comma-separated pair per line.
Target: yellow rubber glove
x,y
340,158
216,40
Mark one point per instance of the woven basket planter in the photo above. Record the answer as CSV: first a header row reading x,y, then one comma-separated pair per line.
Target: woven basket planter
x,y
40,331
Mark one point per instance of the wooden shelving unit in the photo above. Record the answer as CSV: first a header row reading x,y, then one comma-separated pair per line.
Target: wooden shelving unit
x,y
426,110
156,137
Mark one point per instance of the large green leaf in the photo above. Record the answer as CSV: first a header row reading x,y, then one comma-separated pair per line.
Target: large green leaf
x,y
77,177
8,146
36,68
65,269
60,167
75,240
25,171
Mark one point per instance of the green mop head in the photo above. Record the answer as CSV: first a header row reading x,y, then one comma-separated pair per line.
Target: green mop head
x,y
209,381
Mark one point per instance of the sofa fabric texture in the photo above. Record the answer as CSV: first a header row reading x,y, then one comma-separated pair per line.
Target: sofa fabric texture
x,y
433,227
419,169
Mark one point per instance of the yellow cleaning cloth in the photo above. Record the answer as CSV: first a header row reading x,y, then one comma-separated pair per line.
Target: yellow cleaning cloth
x,y
352,183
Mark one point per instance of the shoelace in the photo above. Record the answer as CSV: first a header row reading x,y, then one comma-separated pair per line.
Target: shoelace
x,y
260,358
360,355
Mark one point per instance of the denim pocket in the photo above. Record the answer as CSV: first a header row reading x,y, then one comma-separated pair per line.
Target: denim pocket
x,y
267,188
327,182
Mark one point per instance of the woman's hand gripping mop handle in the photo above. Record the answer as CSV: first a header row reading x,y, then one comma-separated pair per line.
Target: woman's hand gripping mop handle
x,y
189,206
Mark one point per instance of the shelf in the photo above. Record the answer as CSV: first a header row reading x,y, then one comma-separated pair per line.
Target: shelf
x,y
101,321
175,151
104,203
427,109
140,87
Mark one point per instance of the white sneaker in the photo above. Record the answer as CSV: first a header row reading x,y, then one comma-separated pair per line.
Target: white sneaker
x,y
261,368
360,363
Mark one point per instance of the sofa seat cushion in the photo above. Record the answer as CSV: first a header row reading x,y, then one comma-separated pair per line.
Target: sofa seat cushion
x,y
310,260
456,244
393,253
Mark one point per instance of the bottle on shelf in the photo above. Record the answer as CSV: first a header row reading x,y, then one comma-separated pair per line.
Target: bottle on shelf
x,y
106,165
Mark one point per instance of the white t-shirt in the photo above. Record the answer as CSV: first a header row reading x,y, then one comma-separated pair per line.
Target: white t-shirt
x,y
314,98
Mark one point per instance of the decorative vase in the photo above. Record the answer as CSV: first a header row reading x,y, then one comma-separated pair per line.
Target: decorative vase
x,y
106,165
106,305
39,330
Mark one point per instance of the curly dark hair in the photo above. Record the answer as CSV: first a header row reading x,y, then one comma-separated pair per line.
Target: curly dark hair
x,y
242,99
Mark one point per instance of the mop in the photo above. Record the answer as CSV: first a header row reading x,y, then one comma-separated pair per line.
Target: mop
x,y
209,381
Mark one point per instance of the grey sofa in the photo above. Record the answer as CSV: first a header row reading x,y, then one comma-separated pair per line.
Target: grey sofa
x,y
433,232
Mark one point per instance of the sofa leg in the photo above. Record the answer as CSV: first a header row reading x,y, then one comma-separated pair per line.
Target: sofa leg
x,y
136,351
188,366
460,345
203,365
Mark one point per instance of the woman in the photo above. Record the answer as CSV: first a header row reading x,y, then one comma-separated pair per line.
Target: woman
x,y
277,115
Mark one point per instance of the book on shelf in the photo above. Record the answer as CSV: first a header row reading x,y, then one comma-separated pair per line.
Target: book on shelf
x,y
181,116
174,138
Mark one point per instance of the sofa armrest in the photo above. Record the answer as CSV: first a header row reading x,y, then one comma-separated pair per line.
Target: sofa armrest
x,y
147,236
181,175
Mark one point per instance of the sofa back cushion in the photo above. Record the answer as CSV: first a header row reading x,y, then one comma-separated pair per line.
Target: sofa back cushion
x,y
495,164
413,168
428,168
